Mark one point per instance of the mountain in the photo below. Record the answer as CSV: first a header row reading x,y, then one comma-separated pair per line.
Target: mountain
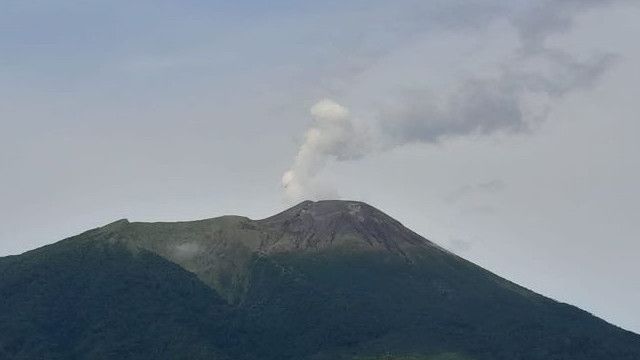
x,y
321,280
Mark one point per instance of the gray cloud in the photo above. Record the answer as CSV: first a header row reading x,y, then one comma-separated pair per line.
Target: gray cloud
x,y
486,106
514,98
487,187
547,17
187,250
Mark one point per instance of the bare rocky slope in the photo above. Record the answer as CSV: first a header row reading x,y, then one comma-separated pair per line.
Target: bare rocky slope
x,y
321,280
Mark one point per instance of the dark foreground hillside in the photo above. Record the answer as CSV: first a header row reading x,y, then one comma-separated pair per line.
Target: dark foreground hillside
x,y
323,280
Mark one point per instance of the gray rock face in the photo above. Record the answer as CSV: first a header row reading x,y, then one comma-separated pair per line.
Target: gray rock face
x,y
345,224
219,250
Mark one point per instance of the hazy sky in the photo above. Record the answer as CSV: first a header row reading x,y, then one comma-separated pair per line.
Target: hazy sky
x,y
503,130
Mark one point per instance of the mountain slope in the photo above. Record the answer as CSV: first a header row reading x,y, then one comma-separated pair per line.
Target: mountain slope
x,y
322,280
93,297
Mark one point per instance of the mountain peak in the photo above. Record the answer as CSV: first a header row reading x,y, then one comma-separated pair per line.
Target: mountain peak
x,y
315,225
328,208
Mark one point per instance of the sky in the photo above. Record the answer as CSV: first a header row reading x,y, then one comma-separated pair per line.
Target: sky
x,y
503,131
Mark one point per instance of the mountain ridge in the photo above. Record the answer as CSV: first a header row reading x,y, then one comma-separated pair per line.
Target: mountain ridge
x,y
321,280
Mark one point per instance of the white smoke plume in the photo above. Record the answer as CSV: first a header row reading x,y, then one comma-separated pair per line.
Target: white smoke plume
x,y
333,134
516,97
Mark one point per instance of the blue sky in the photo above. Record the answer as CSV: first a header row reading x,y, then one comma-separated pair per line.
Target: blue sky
x,y
505,131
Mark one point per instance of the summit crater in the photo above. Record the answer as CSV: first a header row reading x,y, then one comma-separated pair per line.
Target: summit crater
x,y
342,224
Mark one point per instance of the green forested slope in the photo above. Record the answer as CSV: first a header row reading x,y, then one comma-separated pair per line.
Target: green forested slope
x,y
92,298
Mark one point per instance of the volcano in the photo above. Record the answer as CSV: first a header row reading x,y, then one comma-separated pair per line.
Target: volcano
x,y
321,280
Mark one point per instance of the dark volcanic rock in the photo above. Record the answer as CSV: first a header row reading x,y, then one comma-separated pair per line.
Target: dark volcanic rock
x,y
325,224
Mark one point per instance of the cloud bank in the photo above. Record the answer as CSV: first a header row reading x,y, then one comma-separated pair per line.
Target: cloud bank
x,y
514,97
